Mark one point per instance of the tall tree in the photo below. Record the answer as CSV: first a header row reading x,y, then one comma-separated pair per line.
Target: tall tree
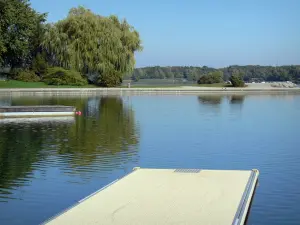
x,y
93,44
18,28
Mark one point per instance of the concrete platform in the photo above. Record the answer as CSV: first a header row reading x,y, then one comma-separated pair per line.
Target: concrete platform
x,y
36,111
167,196
39,120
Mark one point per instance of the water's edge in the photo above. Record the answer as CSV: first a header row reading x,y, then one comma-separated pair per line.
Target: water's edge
x,y
130,91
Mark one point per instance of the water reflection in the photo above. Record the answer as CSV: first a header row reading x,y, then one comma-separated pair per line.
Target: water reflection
x,y
237,99
210,99
110,137
21,145
236,102
104,138
45,171
92,109
210,104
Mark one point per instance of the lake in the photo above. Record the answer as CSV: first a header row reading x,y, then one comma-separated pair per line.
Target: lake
x,y
46,165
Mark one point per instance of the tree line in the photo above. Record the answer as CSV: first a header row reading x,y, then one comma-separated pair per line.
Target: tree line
x,y
250,73
83,47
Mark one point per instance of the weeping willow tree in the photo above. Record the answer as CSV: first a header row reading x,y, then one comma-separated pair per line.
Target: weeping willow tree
x,y
94,45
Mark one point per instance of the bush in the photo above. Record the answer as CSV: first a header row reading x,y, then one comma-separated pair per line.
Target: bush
x,y
206,79
237,80
211,78
109,80
60,76
27,76
14,72
39,65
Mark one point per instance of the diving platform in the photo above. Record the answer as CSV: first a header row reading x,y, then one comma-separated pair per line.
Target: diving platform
x,y
36,111
167,196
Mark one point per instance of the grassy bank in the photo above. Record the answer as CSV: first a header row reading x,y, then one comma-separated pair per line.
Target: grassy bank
x,y
21,84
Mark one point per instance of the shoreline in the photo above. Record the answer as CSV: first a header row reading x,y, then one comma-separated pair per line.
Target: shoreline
x,y
164,90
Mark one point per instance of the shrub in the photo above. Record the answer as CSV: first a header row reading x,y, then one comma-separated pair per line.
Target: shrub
x,y
39,65
211,78
237,80
27,76
14,72
109,80
60,76
206,79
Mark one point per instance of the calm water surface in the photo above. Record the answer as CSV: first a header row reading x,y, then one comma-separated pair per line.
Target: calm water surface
x,y
46,165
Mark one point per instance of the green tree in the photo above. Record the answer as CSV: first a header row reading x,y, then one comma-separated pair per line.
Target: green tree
x,y
93,44
138,73
236,80
19,25
217,76
206,79
211,78
39,64
193,75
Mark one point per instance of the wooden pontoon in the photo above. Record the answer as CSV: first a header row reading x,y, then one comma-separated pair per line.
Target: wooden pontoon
x,y
36,111
167,196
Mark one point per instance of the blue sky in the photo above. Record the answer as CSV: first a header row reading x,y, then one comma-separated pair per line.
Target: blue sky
x,y
214,33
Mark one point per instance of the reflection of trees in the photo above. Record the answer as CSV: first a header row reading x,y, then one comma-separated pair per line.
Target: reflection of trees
x,y
21,146
78,102
237,99
107,125
101,137
100,141
210,99
236,102
92,107
16,159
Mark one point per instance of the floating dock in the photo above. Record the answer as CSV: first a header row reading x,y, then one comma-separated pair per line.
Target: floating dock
x,y
167,196
36,111
39,120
